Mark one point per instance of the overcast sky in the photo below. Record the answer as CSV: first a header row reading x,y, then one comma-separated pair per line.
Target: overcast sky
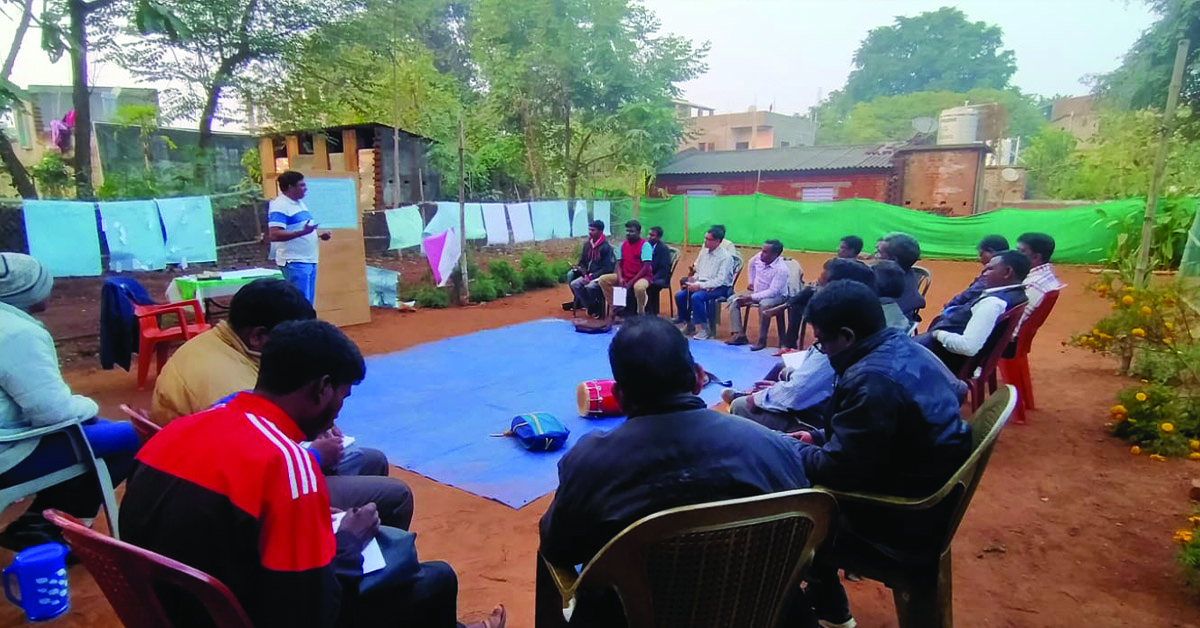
x,y
787,51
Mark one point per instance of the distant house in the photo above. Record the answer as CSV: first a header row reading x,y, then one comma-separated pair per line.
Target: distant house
x,y
944,179
808,173
747,130
325,149
172,153
1077,115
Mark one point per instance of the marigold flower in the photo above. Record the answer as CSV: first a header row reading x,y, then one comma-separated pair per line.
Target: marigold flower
x,y
1194,520
1127,300
1183,537
1145,311
1138,332
1194,445
1128,289
1140,396
1169,326
1117,409
1135,450
1167,428
1158,458
1195,455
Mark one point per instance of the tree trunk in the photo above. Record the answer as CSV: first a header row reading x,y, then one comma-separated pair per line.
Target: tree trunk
x,y
210,110
20,177
22,26
81,99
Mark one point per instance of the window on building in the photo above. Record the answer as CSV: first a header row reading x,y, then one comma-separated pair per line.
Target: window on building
x,y
703,147
817,195
784,144
742,146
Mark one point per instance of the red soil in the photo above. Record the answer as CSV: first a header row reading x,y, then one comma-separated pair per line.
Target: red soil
x,y
1067,528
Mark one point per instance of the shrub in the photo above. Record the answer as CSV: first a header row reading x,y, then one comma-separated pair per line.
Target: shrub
x,y
532,258
535,272
435,298
1150,333
559,268
483,289
1189,550
505,277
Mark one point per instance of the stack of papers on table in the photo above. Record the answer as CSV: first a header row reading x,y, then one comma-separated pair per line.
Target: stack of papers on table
x,y
249,273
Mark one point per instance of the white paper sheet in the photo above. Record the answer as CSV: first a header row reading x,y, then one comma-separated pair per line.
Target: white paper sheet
x,y
522,225
372,555
619,296
496,223
602,210
249,273
794,360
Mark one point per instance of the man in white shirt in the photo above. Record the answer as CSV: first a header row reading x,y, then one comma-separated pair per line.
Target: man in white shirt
x,y
290,226
711,279
767,288
960,332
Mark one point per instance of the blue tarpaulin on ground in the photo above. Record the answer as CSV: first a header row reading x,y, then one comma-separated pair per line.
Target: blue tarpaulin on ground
x,y
433,408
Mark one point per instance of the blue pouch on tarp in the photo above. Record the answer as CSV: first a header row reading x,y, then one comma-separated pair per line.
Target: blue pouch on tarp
x,y
539,431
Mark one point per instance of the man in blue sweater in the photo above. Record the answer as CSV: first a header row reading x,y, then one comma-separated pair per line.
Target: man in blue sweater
x,y
894,425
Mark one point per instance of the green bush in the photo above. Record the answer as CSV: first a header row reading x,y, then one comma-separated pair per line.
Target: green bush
x,y
506,278
535,272
435,298
483,290
532,258
559,268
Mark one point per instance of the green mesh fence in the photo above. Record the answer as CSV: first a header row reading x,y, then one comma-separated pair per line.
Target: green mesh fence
x,y
1079,232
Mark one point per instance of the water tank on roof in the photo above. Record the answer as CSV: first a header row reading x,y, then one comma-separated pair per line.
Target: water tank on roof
x,y
959,125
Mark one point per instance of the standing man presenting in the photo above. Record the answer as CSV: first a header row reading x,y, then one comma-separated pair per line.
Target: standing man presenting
x,y
291,227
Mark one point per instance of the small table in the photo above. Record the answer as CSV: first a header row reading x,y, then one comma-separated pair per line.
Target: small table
x,y
189,287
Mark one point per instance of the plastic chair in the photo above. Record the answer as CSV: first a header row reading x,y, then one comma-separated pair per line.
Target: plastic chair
x,y
1015,370
86,462
794,285
980,369
921,580
729,563
716,305
153,339
653,302
924,279
142,424
132,579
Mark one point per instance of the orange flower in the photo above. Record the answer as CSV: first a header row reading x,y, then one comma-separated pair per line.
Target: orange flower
x,y
1135,450
1140,396
1145,311
1138,332
1194,445
1169,326
1117,409
1182,537
1167,428
1195,455
1127,300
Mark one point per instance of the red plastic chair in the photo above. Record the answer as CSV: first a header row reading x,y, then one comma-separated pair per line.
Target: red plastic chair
x,y
988,357
154,340
129,576
1015,370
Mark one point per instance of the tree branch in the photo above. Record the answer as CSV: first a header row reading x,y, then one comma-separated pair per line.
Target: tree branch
x,y
600,158
22,26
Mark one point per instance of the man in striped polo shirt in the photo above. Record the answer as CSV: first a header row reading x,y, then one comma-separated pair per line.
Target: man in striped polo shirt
x,y
291,228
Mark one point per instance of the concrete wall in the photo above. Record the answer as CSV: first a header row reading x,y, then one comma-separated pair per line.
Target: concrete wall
x,y
871,185
761,129
944,181
1000,193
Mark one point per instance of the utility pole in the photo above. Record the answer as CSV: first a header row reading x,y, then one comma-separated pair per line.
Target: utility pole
x,y
1160,164
465,295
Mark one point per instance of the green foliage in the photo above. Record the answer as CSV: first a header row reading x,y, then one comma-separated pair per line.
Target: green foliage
x,y
1172,221
506,277
1118,161
559,268
1188,557
483,289
934,51
1142,79
52,174
535,272
432,297
889,118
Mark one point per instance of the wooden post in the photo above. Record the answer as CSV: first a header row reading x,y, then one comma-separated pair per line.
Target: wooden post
x,y
266,158
465,294
292,142
320,152
350,151
1160,163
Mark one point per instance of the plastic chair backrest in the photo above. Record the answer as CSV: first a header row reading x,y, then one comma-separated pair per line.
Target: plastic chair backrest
x,y
989,355
735,562
739,265
130,578
675,255
924,279
1032,324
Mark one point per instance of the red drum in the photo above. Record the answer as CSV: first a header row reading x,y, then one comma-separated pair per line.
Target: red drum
x,y
595,399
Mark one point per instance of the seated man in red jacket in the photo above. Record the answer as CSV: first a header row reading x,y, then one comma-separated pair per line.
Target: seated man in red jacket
x,y
635,268
256,514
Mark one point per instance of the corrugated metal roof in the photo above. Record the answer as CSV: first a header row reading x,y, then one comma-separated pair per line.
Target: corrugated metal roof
x,y
796,158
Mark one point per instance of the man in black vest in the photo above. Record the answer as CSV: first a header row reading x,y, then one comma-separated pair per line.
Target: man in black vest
x,y
960,331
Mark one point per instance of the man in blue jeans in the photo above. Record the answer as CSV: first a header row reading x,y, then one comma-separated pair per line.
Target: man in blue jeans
x,y
290,226
711,279
32,395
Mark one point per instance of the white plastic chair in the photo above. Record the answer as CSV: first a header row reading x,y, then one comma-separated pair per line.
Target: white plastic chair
x,y
86,463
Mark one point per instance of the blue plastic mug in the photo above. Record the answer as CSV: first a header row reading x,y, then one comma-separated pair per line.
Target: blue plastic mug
x,y
41,573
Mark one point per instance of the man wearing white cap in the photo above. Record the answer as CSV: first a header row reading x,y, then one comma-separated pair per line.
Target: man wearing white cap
x,y
33,394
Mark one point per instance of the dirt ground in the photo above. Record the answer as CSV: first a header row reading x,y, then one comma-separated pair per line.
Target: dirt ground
x,y
1067,529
